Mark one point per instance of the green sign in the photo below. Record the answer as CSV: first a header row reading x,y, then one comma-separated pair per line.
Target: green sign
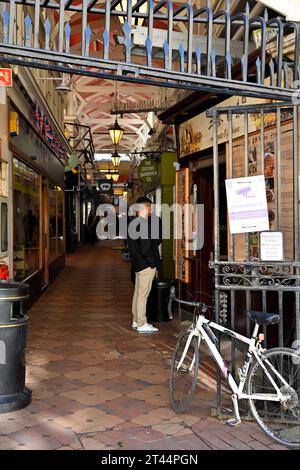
x,y
72,162
148,172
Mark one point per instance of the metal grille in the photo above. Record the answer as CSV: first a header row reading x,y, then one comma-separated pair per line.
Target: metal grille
x,y
265,286
38,33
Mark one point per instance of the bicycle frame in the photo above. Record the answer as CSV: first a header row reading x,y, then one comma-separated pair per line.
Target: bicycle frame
x,y
203,331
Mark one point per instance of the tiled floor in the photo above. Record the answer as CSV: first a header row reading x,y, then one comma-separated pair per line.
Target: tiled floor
x,y
99,385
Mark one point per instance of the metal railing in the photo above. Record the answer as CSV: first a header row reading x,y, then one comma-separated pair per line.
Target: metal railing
x,y
242,282
178,59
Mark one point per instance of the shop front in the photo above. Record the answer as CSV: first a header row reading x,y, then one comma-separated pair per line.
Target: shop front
x,y
36,172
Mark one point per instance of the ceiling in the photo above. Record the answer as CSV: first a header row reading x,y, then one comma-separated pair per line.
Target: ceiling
x,y
94,99
94,102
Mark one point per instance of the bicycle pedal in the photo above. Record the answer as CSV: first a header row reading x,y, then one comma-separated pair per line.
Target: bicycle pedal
x,y
233,422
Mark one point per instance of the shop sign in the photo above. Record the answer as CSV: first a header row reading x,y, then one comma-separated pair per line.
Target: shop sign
x,y
105,187
73,162
45,127
148,172
247,204
14,124
271,246
5,77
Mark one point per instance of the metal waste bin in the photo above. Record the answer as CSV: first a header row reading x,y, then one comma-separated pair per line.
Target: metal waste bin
x,y
13,331
157,305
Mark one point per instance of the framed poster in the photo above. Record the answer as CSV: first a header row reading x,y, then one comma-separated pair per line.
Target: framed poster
x,y
182,263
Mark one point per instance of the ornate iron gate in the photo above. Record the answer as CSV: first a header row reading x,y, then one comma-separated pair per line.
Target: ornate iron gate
x,y
38,33
242,281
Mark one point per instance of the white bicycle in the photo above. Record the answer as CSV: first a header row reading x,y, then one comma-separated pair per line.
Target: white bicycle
x,y
269,379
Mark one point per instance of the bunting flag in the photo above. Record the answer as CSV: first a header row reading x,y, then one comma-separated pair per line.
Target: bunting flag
x,y
48,130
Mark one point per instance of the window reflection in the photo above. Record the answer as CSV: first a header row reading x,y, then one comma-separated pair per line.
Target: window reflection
x,y
4,231
60,228
56,229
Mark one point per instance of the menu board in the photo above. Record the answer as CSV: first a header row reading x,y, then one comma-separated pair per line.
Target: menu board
x,y
182,264
285,196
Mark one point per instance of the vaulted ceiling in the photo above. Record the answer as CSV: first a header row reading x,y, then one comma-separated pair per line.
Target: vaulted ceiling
x,y
94,99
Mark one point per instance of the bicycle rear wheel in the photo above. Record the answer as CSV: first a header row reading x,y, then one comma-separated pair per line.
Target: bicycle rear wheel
x,y
280,420
183,381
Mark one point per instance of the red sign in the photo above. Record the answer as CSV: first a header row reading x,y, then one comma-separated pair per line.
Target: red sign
x,y
5,77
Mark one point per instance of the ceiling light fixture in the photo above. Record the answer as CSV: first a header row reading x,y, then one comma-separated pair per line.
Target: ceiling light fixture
x,y
115,158
116,130
115,176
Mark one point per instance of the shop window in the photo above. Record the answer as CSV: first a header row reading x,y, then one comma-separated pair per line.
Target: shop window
x,y
60,220
52,225
3,226
26,190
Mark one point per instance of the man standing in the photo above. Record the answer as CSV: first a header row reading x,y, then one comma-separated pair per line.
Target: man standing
x,y
143,246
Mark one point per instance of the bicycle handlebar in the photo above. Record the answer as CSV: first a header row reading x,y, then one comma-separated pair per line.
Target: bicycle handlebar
x,y
202,306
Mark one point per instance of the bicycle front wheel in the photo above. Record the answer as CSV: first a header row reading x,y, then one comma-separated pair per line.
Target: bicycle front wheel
x,y
279,419
183,379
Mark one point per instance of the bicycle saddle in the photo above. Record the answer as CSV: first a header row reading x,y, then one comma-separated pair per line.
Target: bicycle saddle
x,y
263,318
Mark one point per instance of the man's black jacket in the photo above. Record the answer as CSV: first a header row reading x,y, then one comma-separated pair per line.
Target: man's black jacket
x,y
144,250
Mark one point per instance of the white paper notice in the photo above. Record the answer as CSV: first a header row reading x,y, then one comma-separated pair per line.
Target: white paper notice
x,y
247,204
271,246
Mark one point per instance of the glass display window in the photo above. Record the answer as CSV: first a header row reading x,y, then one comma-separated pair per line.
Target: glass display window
x,y
26,229
56,222
52,224
60,221
3,226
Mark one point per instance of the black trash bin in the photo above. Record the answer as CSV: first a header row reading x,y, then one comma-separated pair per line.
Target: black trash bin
x,y
157,305
13,331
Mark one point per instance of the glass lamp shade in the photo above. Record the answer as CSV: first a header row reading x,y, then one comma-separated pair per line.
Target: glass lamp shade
x,y
108,176
116,133
115,176
115,158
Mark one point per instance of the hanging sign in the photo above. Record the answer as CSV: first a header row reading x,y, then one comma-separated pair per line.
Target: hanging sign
x,y
105,186
247,204
5,77
271,246
14,124
148,172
